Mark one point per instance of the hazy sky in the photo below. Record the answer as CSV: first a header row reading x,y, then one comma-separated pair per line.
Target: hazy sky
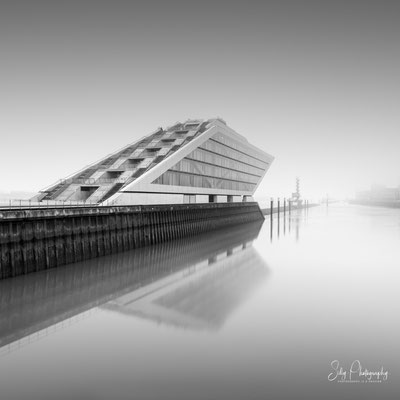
x,y
314,83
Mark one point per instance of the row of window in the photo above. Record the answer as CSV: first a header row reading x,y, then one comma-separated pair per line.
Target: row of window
x,y
219,148
238,146
196,167
176,178
215,159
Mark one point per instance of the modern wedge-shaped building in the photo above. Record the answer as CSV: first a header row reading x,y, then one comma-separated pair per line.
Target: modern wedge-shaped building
x,y
199,161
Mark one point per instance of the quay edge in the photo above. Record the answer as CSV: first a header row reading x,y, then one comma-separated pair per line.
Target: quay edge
x,y
32,240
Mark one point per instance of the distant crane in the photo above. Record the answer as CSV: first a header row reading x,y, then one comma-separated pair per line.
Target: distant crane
x,y
296,196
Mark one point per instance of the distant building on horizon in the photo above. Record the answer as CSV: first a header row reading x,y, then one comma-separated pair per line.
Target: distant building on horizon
x,y
379,193
198,161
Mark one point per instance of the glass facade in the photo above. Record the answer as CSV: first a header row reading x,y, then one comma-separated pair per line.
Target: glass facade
x,y
217,165
219,148
210,157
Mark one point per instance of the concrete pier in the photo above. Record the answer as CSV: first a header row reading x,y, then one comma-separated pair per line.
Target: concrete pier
x,y
290,208
38,239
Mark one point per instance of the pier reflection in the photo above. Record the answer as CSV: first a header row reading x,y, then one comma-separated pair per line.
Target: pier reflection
x,y
193,283
284,223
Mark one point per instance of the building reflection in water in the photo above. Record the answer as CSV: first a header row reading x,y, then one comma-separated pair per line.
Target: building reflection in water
x,y
201,296
193,283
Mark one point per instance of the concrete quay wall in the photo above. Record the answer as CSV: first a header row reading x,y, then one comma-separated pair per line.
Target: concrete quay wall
x,y
38,239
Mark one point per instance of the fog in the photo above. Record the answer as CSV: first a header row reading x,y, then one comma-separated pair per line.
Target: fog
x,y
316,85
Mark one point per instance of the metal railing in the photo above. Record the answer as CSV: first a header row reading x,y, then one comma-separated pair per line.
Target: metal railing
x,y
47,188
20,204
93,181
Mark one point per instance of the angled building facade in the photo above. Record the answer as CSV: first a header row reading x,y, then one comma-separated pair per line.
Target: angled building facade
x,y
198,161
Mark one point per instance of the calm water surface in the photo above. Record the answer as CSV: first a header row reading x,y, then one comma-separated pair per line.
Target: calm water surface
x,y
252,312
